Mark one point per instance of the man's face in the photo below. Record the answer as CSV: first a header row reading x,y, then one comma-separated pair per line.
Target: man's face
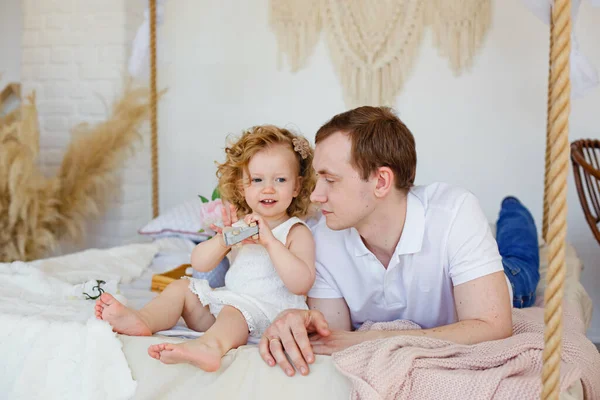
x,y
345,199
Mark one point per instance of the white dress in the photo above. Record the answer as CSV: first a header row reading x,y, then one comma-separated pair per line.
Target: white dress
x,y
252,285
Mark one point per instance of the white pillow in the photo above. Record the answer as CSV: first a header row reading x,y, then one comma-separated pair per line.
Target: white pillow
x,y
183,220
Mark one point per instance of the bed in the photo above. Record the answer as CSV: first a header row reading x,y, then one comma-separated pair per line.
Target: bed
x,y
53,338
244,374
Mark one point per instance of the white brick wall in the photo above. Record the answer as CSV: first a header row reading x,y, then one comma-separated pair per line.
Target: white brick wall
x,y
74,55
11,25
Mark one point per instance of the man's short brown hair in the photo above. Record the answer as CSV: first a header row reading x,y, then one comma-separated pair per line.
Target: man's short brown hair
x,y
379,139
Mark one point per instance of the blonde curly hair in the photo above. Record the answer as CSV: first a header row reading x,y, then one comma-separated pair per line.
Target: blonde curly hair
x,y
238,155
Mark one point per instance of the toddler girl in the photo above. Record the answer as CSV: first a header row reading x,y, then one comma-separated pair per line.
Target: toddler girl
x,y
267,178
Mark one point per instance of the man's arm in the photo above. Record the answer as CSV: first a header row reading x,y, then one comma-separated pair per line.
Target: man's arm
x,y
335,311
484,313
483,309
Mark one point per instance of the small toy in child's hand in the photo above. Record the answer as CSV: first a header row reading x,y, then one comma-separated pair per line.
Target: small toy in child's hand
x,y
235,234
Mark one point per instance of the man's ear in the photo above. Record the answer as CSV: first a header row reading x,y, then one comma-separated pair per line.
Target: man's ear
x,y
385,179
298,186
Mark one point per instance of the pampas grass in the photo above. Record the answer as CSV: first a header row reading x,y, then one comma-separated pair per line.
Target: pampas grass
x,y
37,212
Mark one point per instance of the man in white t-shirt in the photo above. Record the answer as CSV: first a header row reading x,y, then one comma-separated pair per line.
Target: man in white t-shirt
x,y
388,250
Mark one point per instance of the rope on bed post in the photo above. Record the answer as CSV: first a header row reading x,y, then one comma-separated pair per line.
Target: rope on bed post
x,y
153,109
560,92
547,163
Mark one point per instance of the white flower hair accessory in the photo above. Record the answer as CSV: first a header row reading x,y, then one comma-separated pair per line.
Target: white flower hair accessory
x,y
301,146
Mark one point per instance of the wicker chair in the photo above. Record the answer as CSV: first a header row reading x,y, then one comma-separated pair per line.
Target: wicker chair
x,y
585,154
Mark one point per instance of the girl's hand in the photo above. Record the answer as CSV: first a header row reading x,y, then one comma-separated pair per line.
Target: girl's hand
x,y
265,236
228,219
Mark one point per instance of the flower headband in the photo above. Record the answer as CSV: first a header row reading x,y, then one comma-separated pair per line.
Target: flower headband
x,y
301,146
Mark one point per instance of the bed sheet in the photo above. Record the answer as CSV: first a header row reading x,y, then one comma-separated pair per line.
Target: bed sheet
x,y
173,252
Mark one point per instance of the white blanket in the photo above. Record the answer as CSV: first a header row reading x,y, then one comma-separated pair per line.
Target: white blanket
x,y
52,345
122,263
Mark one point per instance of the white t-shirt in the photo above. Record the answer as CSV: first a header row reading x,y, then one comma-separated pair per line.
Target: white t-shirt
x,y
446,241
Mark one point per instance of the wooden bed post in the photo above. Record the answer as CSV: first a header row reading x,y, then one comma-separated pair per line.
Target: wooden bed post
x,y
555,193
153,109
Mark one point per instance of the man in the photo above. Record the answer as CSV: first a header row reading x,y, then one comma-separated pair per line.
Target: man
x,y
388,250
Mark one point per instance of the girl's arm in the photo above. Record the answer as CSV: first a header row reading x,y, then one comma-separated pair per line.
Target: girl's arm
x,y
295,263
208,254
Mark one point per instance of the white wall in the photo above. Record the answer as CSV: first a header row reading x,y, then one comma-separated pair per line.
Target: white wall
x,y
484,131
74,57
11,26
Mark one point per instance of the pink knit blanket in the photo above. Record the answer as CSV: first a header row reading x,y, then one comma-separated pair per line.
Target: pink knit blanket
x,y
411,367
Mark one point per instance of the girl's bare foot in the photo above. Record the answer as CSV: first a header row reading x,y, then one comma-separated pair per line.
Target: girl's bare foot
x,y
123,320
202,355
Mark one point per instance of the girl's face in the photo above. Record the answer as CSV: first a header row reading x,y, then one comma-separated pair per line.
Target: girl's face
x,y
271,182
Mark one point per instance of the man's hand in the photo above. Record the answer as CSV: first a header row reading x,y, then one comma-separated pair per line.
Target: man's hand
x,y
290,332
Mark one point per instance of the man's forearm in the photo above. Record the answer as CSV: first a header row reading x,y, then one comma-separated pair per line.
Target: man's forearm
x,y
463,332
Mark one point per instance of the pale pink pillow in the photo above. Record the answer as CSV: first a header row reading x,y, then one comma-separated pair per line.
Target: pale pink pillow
x,y
189,220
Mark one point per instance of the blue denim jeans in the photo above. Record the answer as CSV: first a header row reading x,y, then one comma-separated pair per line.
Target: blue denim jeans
x,y
517,239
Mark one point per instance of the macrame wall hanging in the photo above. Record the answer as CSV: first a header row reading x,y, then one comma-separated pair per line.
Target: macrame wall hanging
x,y
373,43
